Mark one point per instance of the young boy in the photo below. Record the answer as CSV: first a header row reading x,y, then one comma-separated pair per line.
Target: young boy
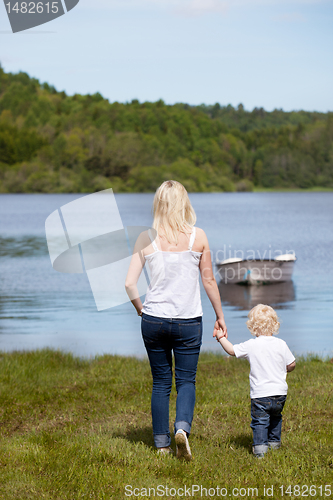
x,y
270,360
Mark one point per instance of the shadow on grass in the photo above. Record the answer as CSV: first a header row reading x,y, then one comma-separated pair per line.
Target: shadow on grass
x,y
137,435
242,441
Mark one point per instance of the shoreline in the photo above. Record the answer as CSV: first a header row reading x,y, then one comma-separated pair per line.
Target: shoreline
x,y
292,190
308,357
255,190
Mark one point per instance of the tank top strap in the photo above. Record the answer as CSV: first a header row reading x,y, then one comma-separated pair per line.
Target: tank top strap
x,y
192,238
152,239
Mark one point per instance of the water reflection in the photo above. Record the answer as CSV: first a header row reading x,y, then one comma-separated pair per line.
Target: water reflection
x,y
243,297
25,246
14,310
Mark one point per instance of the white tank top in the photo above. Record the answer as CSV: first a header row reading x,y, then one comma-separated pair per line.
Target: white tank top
x,y
174,290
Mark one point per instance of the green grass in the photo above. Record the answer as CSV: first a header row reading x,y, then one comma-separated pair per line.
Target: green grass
x,y
81,429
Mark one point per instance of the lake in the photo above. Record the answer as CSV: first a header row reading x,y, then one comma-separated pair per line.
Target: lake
x,y
41,307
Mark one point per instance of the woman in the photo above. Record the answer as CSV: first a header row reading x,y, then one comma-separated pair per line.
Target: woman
x,y
172,312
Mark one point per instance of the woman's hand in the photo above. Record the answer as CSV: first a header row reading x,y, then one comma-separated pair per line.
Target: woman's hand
x,y
220,329
134,271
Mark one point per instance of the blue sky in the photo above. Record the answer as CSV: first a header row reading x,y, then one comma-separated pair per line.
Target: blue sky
x,y
262,53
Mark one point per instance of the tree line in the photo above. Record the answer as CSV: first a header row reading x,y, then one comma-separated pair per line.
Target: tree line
x,y
51,142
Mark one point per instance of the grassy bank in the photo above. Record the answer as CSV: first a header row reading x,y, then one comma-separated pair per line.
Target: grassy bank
x,y
77,429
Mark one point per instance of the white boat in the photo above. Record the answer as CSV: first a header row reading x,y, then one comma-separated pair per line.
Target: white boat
x,y
256,271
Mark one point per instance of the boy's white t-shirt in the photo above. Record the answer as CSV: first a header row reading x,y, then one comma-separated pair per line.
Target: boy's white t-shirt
x,y
268,357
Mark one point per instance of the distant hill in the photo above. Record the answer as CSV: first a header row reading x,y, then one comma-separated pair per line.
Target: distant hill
x,y
51,142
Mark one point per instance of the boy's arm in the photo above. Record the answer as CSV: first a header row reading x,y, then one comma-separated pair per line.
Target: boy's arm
x,y
291,367
227,346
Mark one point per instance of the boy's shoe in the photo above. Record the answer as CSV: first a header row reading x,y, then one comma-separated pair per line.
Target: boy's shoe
x,y
259,450
183,448
274,445
165,451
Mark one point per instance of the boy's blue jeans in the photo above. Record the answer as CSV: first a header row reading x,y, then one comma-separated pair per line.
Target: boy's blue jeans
x,y
184,337
266,422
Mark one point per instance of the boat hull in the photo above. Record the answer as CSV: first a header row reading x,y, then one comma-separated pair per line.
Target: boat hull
x,y
245,297
255,272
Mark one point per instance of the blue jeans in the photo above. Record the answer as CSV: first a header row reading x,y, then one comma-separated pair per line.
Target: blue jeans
x,y
266,422
184,337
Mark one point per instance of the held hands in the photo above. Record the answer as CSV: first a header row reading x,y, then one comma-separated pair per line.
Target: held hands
x,y
220,332
220,329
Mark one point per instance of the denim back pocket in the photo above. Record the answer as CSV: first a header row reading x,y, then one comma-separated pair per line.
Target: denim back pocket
x,y
191,333
260,407
151,328
279,404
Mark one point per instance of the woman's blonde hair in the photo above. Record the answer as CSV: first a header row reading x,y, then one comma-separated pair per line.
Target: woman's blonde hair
x,y
263,320
172,210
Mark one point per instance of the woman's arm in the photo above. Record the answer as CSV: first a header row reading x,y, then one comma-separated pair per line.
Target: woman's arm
x,y
210,285
135,268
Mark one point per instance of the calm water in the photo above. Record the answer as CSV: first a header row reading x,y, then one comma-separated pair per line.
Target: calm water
x,y
40,307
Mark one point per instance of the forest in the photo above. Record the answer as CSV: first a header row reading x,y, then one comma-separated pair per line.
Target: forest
x,y
51,142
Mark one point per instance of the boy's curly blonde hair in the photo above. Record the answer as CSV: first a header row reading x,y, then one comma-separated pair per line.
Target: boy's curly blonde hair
x,y
263,320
